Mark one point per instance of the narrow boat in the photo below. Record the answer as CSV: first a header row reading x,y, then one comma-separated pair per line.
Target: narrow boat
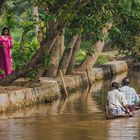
x,y
109,115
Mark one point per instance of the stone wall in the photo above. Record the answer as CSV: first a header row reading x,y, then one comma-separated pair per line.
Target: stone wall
x,y
49,89
89,77
46,91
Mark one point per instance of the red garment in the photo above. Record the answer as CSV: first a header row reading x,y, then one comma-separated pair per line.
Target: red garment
x,y
5,55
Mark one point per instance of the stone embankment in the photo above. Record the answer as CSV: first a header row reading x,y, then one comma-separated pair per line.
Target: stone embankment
x,y
49,89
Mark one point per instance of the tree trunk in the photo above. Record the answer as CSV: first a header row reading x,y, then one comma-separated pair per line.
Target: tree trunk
x,y
36,18
21,46
54,59
67,55
73,57
40,70
91,60
62,43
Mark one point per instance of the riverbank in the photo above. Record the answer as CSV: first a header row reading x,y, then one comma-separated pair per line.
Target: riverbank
x,y
47,90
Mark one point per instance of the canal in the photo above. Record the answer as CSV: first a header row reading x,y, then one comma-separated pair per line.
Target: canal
x,y
78,117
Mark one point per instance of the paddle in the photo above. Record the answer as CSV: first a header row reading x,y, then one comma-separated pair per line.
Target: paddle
x,y
130,115
128,112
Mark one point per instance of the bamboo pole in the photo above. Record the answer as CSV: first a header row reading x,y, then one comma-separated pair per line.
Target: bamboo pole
x,y
63,82
89,82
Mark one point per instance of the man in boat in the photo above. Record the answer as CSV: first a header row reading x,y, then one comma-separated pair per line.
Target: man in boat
x,y
117,101
129,93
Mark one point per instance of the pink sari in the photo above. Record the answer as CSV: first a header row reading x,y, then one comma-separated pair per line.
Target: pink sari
x,y
5,55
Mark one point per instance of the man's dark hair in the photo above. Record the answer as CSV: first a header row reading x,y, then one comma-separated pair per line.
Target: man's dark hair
x,y
115,85
125,81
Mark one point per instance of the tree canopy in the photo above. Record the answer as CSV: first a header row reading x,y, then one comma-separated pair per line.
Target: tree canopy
x,y
43,23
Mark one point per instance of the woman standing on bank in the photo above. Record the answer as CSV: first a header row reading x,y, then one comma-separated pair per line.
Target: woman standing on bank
x,y
5,55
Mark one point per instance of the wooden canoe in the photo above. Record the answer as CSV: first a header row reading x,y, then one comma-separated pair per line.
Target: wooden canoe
x,y
109,115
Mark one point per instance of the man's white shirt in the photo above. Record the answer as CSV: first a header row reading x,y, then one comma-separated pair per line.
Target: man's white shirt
x,y
116,99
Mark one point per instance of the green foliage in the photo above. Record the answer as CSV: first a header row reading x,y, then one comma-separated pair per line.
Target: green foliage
x,y
26,25
125,32
31,75
101,60
22,57
18,15
85,44
46,61
80,56
17,34
84,51
125,16
91,19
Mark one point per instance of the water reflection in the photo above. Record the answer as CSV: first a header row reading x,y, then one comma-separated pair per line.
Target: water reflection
x,y
80,116
123,129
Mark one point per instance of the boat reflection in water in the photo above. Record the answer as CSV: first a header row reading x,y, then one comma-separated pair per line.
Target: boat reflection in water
x,y
124,129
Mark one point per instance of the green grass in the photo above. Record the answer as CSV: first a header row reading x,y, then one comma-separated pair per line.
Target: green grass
x,y
101,60
82,52
85,44
80,56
